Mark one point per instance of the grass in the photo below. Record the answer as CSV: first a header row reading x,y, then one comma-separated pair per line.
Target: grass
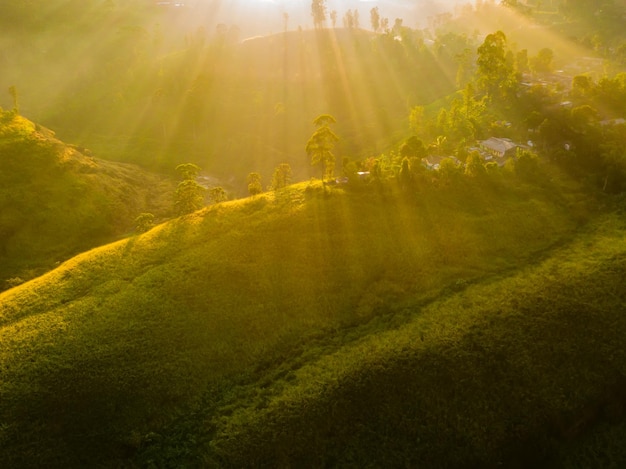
x,y
56,202
512,372
229,336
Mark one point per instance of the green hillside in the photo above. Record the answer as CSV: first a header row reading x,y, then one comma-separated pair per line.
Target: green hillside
x,y
452,296
354,326
57,200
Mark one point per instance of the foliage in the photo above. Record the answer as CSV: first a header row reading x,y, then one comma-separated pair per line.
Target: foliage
x,y
144,222
351,305
189,197
217,195
413,147
281,177
56,200
319,147
375,19
475,165
526,163
477,378
495,74
381,329
542,63
318,12
255,186
188,171
449,170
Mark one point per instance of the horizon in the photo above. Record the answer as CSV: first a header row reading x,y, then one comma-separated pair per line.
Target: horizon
x,y
264,17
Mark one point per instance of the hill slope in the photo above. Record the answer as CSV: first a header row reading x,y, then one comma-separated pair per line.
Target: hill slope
x,y
200,340
56,201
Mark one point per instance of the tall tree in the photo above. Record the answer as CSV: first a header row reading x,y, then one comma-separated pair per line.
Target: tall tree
x,y
320,145
333,18
318,12
189,195
254,184
495,75
348,20
375,19
14,95
282,176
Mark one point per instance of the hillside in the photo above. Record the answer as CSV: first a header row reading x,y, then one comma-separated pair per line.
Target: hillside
x,y
346,326
159,87
57,200
239,106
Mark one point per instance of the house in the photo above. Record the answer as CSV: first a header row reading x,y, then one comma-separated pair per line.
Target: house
x,y
499,147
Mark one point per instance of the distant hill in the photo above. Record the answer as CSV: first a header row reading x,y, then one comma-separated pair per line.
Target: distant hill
x,y
344,326
162,86
57,200
234,108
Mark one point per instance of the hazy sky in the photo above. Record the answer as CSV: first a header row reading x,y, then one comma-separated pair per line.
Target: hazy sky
x,y
266,16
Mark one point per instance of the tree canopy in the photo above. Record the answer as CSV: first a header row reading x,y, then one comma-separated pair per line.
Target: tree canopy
x,y
320,145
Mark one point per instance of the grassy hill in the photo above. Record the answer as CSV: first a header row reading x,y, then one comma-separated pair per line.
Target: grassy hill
x,y
57,200
348,327
248,106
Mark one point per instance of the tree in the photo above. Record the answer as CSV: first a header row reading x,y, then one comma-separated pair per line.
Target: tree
x,y
348,20
14,95
526,163
217,195
375,19
397,27
448,170
384,25
495,75
405,175
282,176
474,165
416,119
254,184
581,86
542,63
189,195
413,148
320,145
333,18
188,171
318,12
521,61
144,222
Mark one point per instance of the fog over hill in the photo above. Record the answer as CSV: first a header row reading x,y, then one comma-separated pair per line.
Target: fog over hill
x,y
259,17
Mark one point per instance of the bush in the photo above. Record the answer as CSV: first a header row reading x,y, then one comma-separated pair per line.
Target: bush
x,y
144,222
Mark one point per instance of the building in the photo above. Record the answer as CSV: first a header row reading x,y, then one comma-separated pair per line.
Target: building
x,y
498,147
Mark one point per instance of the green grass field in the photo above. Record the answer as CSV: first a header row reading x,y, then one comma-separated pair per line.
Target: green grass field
x,y
346,326
56,200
